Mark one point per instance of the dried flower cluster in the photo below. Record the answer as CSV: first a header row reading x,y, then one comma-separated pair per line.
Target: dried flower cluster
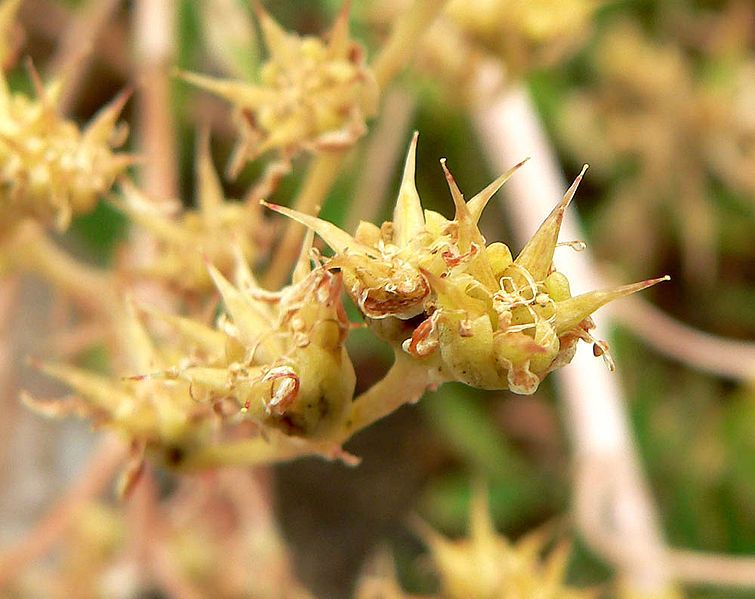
x,y
485,565
310,94
217,230
50,169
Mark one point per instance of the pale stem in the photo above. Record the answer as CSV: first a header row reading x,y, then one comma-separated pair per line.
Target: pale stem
x,y
322,174
400,46
729,358
154,25
53,526
149,541
405,383
614,509
89,287
325,168
74,53
10,288
382,155
710,568
47,19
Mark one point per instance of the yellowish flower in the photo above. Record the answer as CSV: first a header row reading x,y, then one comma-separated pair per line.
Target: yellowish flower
x,y
486,565
310,94
275,363
215,231
525,33
51,169
434,287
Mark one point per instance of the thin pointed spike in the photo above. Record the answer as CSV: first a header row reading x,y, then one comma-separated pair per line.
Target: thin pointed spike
x,y
243,275
574,310
277,40
140,353
207,338
98,390
303,264
339,240
480,521
100,129
338,44
478,203
236,92
408,217
36,80
138,209
555,567
462,214
248,320
537,255
447,292
210,194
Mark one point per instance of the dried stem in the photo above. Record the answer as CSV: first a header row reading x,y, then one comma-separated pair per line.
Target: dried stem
x,y
154,25
723,357
53,526
74,52
10,288
708,568
613,506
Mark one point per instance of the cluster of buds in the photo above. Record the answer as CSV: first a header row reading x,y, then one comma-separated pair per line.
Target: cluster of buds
x,y
525,35
519,36
51,169
310,95
432,287
216,231
485,564
273,364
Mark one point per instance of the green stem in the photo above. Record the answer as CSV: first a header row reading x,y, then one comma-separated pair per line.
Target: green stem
x,y
405,382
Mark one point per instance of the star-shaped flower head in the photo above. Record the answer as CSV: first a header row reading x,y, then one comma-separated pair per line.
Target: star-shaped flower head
x,y
51,169
487,564
310,94
525,35
273,363
213,232
433,286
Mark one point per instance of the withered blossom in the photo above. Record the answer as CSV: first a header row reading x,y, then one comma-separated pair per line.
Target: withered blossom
x,y
311,95
215,231
486,564
273,364
433,286
49,168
